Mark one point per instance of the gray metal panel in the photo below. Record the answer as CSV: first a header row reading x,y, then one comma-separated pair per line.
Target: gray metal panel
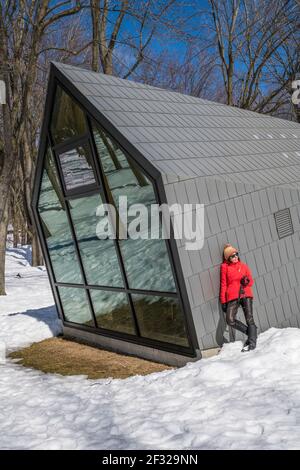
x,y
279,310
198,321
250,236
266,251
196,290
195,261
270,312
284,278
256,205
222,215
231,237
208,341
262,317
264,223
291,274
261,290
215,279
208,318
269,286
277,282
260,263
206,260
293,304
212,217
206,284
258,233
241,237
215,250
231,212
275,255
245,145
249,210
296,242
185,262
240,210
290,247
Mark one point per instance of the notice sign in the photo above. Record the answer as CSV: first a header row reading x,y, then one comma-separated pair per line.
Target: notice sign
x,y
2,92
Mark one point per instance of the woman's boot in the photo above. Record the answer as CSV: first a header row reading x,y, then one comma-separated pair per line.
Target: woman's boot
x,y
252,336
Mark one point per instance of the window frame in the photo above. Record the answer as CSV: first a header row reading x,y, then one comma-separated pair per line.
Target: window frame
x,y
73,144
156,179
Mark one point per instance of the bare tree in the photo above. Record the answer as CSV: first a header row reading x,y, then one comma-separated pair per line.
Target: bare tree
x,y
120,25
23,25
248,37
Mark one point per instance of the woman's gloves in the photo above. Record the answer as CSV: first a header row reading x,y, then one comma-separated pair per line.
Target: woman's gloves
x,y
245,281
224,307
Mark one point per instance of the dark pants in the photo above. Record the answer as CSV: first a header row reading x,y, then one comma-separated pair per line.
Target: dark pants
x,y
231,312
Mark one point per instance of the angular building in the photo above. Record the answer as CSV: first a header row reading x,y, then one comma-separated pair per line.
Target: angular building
x,y
104,137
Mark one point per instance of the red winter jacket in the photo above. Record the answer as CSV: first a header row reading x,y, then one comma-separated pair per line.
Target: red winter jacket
x,y
231,275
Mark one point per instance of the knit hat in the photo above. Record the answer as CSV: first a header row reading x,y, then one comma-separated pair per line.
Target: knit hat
x,y
229,250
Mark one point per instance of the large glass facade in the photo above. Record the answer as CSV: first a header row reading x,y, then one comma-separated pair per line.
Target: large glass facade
x,y
122,285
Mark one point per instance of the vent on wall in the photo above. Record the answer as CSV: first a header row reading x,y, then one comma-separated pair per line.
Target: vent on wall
x,y
284,223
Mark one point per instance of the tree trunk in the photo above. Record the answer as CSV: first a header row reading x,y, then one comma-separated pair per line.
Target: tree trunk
x,y
24,234
96,39
37,257
16,234
3,234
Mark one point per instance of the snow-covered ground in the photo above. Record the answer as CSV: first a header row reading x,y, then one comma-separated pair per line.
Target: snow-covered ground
x,y
230,401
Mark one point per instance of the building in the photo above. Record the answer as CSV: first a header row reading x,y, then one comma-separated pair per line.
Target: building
x,y
103,137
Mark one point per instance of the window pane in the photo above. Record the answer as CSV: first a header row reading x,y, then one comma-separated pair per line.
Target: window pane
x,y
147,265
112,311
57,233
77,168
99,256
68,120
160,318
75,305
146,261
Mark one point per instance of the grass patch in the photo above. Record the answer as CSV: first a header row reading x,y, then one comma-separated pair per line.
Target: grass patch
x,y
66,357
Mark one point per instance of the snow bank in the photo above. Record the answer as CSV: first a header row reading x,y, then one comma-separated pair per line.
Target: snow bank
x,y
231,401
27,312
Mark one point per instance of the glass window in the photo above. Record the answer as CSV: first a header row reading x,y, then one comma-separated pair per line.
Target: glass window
x,y
57,233
112,311
77,168
146,261
75,305
68,120
98,256
160,318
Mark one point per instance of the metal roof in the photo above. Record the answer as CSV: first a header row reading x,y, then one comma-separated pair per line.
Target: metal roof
x,y
186,137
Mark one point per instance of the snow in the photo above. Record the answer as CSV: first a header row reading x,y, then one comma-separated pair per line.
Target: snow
x,y
27,313
231,401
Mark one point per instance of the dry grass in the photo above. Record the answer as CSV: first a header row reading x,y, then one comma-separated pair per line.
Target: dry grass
x,y
65,357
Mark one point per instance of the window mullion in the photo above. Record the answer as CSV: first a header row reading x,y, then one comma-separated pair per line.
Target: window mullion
x,y
106,198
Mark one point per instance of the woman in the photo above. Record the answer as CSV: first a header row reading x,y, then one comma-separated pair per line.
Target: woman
x,y
235,290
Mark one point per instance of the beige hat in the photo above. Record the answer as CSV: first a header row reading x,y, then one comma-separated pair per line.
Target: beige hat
x,y
229,250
